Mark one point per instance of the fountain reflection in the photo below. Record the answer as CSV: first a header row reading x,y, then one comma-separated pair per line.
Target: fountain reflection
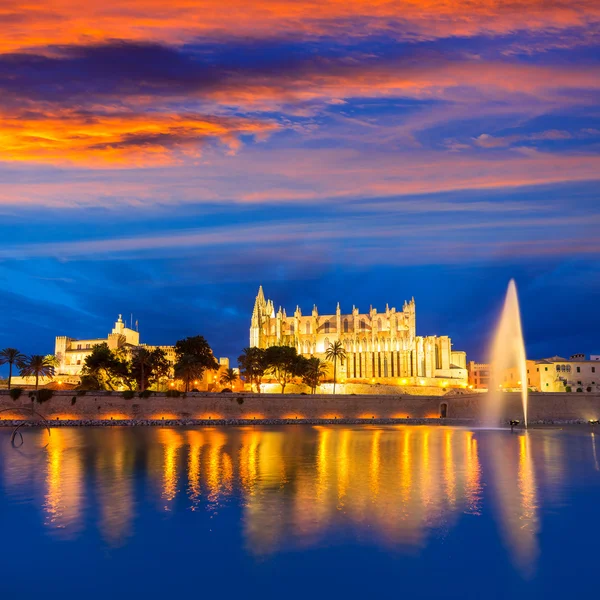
x,y
114,486
299,486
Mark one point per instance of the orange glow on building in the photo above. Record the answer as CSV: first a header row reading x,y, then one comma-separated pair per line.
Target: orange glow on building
x,y
114,417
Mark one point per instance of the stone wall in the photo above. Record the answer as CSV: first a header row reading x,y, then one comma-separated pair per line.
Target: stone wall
x,y
543,407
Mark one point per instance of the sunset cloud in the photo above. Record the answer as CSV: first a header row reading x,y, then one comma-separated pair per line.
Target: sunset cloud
x,y
49,23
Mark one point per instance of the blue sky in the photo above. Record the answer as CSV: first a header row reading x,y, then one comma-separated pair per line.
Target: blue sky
x,y
165,165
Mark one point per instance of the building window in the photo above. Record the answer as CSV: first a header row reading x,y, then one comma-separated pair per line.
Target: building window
x,y
362,325
558,367
579,369
326,327
345,325
593,369
292,329
379,328
545,368
307,327
78,346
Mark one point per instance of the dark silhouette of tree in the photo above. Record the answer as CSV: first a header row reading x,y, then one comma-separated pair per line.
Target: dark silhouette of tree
x,y
148,366
315,370
194,357
229,377
188,369
37,366
284,363
107,369
253,365
335,353
11,356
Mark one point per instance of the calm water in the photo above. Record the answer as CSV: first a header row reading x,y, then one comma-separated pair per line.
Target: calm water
x,y
300,512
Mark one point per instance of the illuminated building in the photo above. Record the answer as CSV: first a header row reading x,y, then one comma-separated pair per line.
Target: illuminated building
x,y
554,374
71,353
380,347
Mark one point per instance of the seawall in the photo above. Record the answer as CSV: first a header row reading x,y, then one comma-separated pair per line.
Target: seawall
x,y
99,406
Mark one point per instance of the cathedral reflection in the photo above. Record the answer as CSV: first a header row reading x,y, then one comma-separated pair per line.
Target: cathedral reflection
x,y
298,486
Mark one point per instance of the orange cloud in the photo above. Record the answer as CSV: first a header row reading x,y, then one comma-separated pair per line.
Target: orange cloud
x,y
115,138
40,23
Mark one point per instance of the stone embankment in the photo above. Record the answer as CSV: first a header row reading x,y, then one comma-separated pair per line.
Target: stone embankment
x,y
103,408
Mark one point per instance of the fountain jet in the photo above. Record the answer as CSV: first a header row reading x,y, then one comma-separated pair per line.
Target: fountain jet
x,y
508,353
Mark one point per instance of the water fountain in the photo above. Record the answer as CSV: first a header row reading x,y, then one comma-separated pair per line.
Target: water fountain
x,y
508,353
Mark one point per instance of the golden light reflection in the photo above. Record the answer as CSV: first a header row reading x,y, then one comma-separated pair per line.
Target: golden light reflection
x,y
64,481
171,442
393,485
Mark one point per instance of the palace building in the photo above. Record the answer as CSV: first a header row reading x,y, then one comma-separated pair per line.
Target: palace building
x,y
71,353
381,347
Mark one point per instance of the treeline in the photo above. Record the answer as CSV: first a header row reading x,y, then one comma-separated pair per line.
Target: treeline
x,y
284,364
35,365
140,368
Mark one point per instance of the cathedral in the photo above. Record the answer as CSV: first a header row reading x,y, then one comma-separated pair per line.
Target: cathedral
x,y
381,347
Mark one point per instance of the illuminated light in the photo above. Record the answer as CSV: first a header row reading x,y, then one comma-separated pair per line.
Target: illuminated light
x,y
373,380
172,384
195,383
444,384
404,382
422,382
471,387
519,382
114,416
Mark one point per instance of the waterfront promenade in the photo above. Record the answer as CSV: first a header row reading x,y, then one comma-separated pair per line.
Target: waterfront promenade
x,y
94,407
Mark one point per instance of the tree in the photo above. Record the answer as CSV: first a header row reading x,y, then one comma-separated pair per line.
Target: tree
x,y
284,364
141,366
253,364
314,371
188,369
37,366
194,356
334,353
11,356
148,365
229,377
103,366
160,365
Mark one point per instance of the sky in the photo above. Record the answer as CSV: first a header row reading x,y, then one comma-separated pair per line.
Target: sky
x,y
163,159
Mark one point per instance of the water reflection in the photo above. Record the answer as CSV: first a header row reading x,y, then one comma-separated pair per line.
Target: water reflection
x,y
300,486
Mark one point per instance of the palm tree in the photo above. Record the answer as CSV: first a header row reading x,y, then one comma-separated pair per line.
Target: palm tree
x,y
187,369
315,370
334,353
13,357
229,377
38,366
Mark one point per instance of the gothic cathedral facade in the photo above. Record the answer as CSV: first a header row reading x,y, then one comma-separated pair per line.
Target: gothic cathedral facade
x,y
380,347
